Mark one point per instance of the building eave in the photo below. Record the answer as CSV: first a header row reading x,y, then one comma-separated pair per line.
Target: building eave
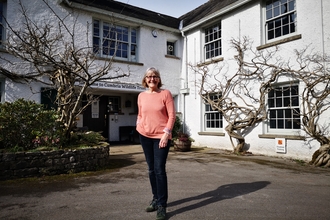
x,y
115,15
215,15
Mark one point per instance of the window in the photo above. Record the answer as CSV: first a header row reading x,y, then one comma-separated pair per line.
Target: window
x,y
213,41
114,40
114,104
2,14
48,98
283,103
170,48
281,18
212,117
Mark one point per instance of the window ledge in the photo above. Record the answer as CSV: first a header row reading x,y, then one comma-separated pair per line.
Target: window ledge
x,y
211,133
215,60
285,40
119,61
172,57
290,137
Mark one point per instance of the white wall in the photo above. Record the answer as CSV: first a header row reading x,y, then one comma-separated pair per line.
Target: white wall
x,y
247,22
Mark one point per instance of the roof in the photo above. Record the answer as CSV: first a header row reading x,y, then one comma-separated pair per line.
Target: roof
x,y
131,11
204,10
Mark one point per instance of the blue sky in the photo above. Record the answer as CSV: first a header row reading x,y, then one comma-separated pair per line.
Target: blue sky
x,y
174,8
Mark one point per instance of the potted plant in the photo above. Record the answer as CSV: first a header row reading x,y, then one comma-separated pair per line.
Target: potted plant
x,y
182,142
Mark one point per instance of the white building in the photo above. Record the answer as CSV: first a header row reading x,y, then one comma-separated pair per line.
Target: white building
x,y
150,39
170,44
288,24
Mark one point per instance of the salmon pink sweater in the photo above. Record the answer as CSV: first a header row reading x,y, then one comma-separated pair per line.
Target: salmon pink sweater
x,y
156,113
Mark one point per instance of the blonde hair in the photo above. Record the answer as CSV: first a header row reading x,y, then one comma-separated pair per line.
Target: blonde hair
x,y
156,72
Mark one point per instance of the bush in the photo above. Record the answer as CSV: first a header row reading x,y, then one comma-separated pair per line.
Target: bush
x,y
25,125
177,127
86,138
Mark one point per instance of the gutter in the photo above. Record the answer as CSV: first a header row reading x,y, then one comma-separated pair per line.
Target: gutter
x,y
118,16
216,14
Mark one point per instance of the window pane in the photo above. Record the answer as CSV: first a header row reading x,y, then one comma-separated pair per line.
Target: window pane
x,y
280,123
296,124
278,102
280,114
272,123
288,123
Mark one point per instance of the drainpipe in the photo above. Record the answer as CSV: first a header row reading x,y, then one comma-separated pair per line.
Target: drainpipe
x,y
322,29
184,91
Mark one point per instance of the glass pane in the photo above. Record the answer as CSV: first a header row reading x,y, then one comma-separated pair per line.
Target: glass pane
x,y
291,5
286,91
286,30
270,35
279,102
271,103
288,123
272,113
296,124
278,92
295,101
284,8
276,11
280,113
287,102
280,123
288,113
272,123
96,28
294,90
296,113
269,14
271,93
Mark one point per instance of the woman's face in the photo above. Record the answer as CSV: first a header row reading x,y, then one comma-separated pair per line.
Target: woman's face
x,y
152,80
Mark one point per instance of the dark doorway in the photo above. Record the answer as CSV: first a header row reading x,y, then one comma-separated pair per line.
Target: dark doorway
x,y
98,121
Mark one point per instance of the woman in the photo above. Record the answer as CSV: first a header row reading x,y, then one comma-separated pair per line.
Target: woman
x,y
155,121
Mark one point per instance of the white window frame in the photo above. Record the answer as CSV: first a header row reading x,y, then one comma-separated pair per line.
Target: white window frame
x,y
116,39
279,21
213,123
213,41
283,109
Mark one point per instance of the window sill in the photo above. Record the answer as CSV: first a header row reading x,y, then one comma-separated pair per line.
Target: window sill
x,y
213,60
120,61
172,57
211,133
285,40
290,137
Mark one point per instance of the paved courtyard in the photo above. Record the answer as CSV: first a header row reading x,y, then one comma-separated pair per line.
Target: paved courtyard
x,y
206,184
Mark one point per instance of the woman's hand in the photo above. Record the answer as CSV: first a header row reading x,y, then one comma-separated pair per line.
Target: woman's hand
x,y
163,141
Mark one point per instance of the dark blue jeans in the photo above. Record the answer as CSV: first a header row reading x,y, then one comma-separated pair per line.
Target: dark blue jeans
x,y
156,159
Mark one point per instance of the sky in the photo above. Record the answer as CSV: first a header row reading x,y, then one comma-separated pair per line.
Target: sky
x,y
174,8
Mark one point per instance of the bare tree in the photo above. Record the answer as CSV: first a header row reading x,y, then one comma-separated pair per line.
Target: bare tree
x,y
50,47
243,108
240,107
313,72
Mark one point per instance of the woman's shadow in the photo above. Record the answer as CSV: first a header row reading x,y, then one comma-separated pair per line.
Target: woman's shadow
x,y
221,193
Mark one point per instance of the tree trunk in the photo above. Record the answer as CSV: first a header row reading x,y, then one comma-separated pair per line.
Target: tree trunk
x,y
321,157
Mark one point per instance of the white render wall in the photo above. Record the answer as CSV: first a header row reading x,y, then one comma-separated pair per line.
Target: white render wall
x,y
247,22
151,51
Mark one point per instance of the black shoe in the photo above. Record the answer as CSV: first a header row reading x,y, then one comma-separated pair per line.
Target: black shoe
x,y
152,207
161,213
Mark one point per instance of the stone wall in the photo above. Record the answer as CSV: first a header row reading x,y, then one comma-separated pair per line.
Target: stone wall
x,y
34,164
